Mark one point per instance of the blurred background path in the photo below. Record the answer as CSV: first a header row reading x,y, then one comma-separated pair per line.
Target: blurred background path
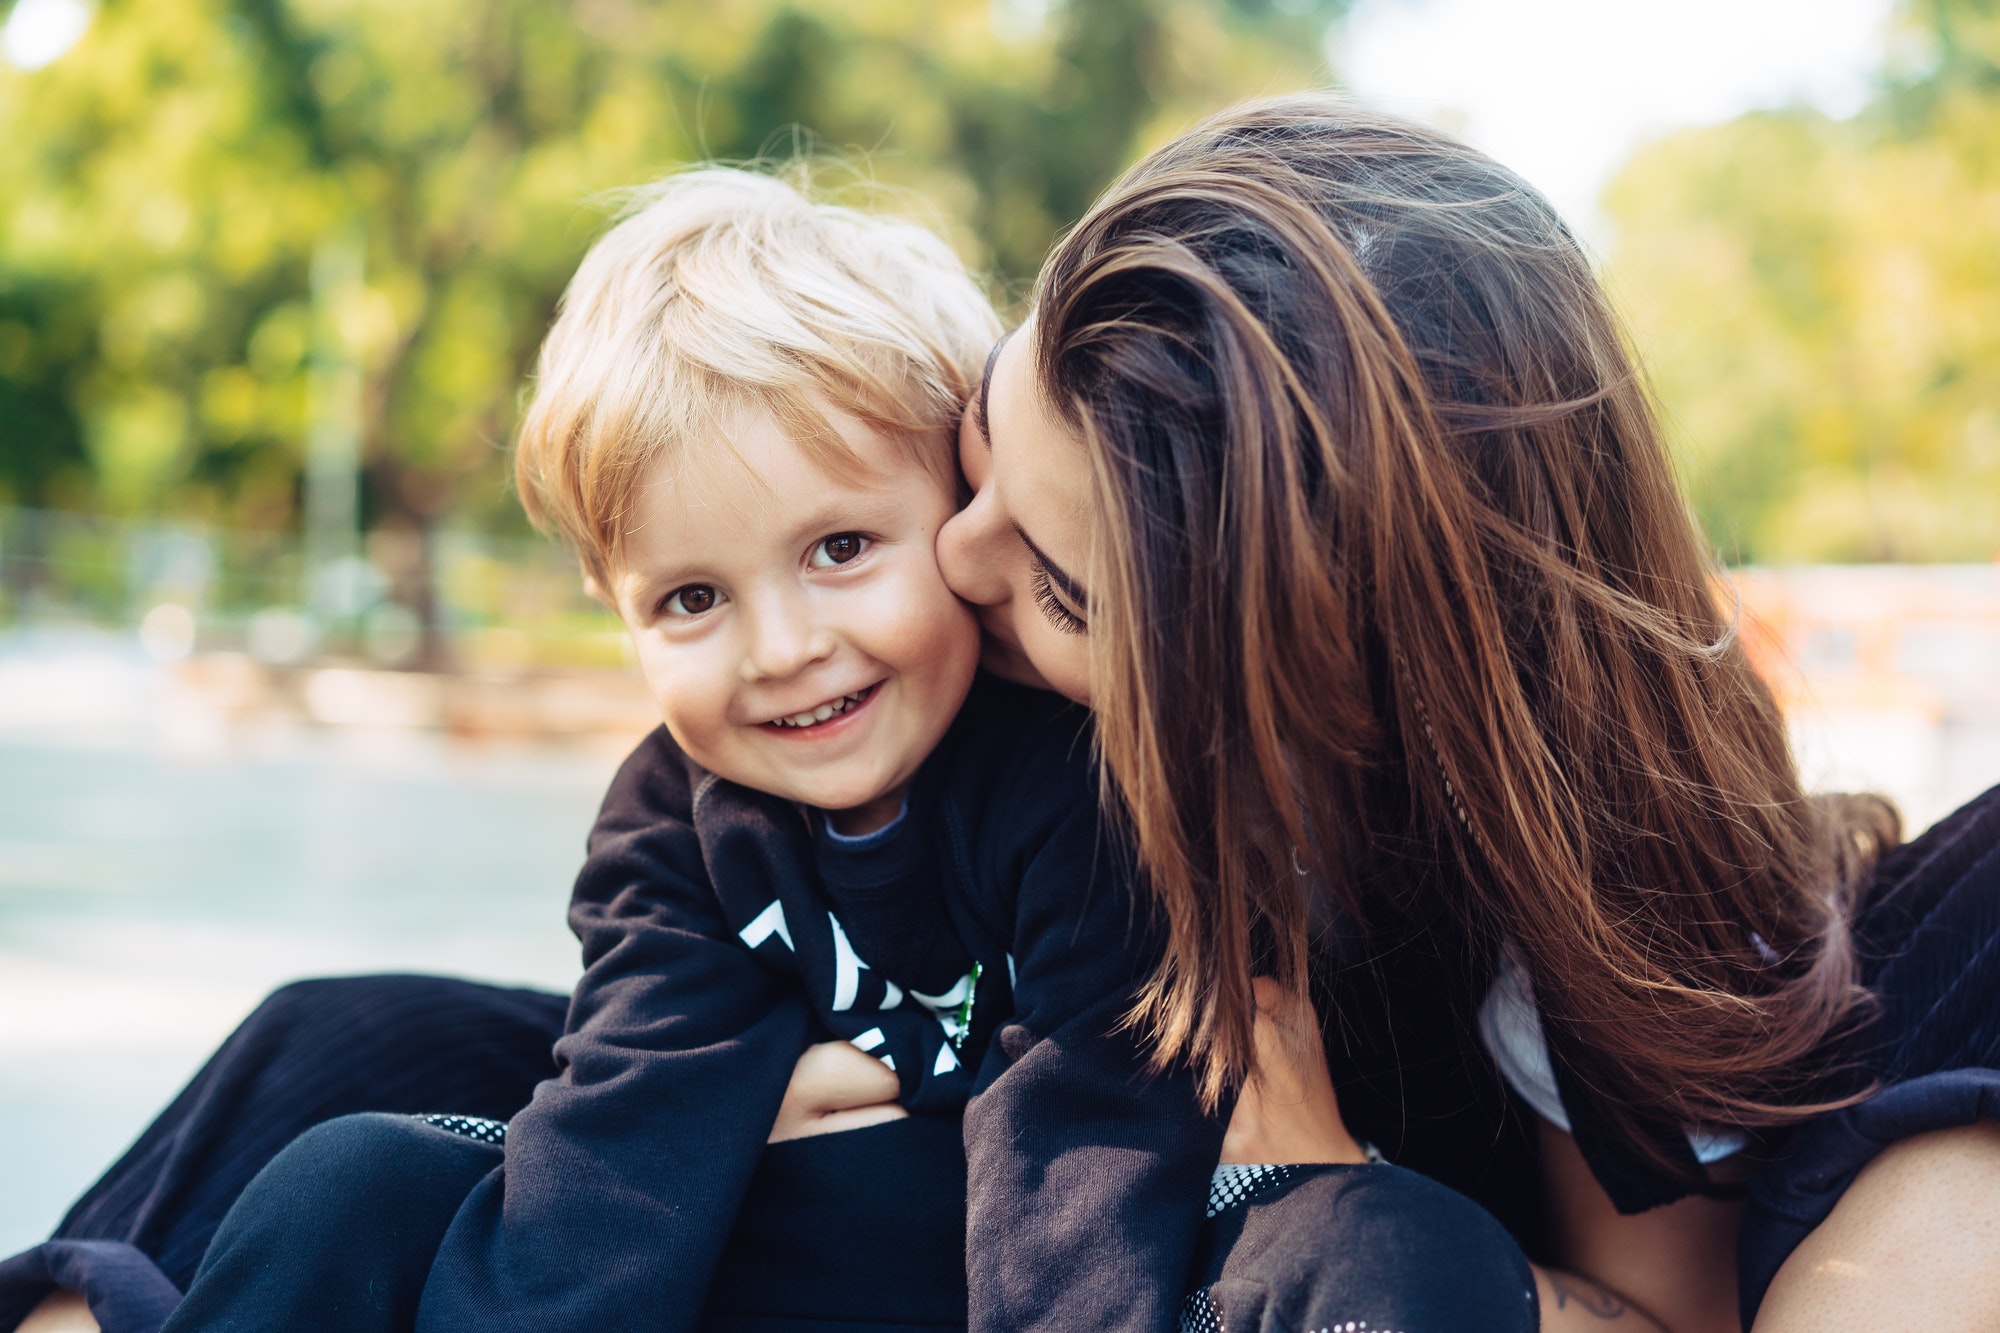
x,y
166,857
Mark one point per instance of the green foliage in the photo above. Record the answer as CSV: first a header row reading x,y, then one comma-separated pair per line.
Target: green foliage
x,y
1816,300
164,187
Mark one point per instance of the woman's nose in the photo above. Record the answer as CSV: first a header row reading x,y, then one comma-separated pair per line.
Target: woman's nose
x,y
969,552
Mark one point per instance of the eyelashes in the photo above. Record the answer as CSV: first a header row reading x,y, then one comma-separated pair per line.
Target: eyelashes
x,y
1065,620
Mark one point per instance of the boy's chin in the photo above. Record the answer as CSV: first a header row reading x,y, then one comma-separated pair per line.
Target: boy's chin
x,y
869,805
834,797
841,804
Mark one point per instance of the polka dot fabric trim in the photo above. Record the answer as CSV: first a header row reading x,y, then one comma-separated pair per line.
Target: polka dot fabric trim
x,y
470,1126
1198,1314
1237,1184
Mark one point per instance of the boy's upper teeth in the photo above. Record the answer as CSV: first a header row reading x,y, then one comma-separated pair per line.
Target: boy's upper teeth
x,y
823,712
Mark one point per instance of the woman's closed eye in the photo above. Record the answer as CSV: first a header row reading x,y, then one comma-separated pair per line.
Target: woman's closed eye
x,y
1050,601
693,599
839,549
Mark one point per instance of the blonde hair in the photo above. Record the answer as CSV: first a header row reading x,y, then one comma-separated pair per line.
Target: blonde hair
x,y
723,290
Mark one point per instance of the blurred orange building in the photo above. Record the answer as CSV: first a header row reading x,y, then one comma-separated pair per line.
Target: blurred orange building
x,y
1890,674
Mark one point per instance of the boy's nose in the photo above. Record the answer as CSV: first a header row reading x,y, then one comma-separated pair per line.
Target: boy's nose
x,y
782,644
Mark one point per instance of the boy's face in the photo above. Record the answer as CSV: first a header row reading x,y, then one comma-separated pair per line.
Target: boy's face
x,y
791,621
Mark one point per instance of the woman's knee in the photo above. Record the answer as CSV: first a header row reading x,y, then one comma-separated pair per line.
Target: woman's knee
x,y
338,1003
1375,1243
1913,1243
314,1020
338,1231
362,1169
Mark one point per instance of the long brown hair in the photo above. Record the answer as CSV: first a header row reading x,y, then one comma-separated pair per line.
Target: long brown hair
x,y
1392,569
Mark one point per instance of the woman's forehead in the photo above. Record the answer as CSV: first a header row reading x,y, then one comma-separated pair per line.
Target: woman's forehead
x,y
1039,463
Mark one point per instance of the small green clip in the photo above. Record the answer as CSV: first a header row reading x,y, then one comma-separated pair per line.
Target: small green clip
x,y
964,1024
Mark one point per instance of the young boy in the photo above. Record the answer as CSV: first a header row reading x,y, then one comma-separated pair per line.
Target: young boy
x,y
743,423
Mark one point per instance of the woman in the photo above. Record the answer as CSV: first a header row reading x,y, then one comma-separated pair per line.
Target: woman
x,y
1321,470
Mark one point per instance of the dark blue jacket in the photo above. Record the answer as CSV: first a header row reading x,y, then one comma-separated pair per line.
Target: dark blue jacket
x,y
988,945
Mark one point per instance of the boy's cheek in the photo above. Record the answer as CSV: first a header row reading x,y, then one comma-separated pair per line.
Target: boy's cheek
x,y
917,623
653,667
949,657
684,701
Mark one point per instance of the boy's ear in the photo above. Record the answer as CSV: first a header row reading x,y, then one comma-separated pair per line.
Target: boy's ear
x,y
595,590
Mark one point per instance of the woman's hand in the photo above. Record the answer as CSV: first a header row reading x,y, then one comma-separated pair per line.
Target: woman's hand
x,y
59,1312
836,1087
1287,1111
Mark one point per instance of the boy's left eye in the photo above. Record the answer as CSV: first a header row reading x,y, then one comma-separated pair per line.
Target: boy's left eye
x,y
838,549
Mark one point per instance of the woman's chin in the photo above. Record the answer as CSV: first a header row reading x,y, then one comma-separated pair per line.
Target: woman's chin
x,y
1004,658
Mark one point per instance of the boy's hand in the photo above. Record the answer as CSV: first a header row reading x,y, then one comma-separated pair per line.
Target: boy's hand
x,y
1287,1111
836,1087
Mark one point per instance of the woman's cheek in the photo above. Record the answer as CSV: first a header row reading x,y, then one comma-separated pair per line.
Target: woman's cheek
x,y
1063,659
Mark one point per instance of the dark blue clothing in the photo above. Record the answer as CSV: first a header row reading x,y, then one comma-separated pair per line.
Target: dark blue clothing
x,y
326,1048
1414,1079
1929,936
311,1051
846,1233
835,1246
860,1232
124,1288
989,946
1375,1247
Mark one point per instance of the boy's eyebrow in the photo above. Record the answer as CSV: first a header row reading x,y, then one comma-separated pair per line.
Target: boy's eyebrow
x,y
986,386
1069,586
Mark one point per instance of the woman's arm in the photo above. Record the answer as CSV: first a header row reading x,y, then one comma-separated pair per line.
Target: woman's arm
x,y
1086,1170
1289,1112
1572,1304
1676,1263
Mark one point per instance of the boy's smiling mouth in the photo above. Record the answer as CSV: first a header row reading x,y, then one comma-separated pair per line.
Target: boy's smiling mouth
x,y
826,714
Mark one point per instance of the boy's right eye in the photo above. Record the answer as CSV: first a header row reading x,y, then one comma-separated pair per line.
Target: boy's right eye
x,y
692,600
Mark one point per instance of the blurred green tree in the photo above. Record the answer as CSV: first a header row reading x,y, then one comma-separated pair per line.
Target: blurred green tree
x,y
165,186
1816,301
